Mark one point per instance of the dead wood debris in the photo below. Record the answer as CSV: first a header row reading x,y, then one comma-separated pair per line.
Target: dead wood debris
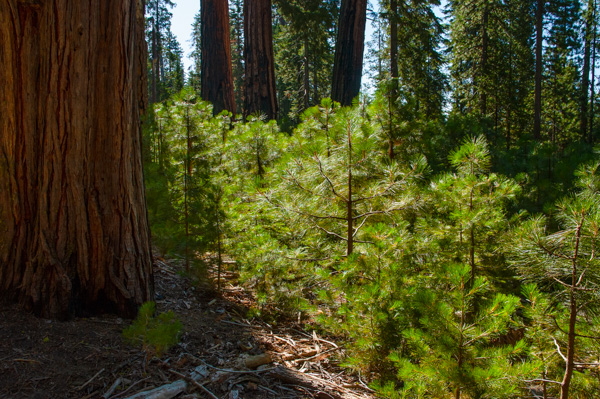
x,y
222,353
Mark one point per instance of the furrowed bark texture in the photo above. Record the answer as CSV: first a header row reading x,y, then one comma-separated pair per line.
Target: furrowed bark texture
x,y
74,236
349,48
217,73
260,92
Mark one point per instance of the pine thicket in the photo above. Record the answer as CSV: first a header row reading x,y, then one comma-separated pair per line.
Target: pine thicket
x,y
442,228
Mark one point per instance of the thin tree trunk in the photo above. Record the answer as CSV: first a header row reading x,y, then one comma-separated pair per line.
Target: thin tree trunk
x,y
484,60
74,237
349,48
306,76
394,46
186,186
216,73
155,33
585,73
316,99
349,203
592,91
570,361
393,95
260,92
539,41
219,248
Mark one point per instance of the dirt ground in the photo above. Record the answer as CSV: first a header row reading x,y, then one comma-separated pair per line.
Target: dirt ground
x,y
88,357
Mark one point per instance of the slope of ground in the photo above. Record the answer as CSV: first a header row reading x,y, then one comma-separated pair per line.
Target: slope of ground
x,y
221,354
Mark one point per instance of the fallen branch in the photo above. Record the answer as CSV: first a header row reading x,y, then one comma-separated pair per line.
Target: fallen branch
x,y
312,383
167,391
130,388
90,380
112,388
194,382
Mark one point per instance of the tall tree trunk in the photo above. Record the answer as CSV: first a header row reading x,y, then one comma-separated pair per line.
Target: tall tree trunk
x,y
394,44
349,48
216,73
393,20
485,40
585,73
306,79
539,41
260,93
74,236
155,33
592,91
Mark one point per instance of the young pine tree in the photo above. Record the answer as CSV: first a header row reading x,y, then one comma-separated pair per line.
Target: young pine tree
x,y
565,264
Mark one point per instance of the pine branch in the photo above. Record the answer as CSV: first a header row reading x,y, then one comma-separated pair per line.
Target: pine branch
x,y
298,211
328,180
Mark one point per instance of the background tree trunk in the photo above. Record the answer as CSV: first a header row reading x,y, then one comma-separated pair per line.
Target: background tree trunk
x,y
349,48
539,40
260,92
217,74
585,73
74,236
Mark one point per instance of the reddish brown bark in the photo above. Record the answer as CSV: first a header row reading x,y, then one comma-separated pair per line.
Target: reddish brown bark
x,y
349,48
74,236
260,92
217,74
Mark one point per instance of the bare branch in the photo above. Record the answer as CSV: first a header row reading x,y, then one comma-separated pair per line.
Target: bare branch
x,y
328,180
558,349
330,232
543,380
571,286
359,227
305,259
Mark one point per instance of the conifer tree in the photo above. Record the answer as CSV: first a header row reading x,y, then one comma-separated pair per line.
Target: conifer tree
x,y
327,192
194,72
492,67
451,314
165,69
181,178
304,54
416,34
562,100
566,263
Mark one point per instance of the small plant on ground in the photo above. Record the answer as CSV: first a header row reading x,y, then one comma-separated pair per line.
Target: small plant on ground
x,y
156,334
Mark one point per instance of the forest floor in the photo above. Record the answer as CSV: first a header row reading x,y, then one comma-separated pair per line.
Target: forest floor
x,y
222,352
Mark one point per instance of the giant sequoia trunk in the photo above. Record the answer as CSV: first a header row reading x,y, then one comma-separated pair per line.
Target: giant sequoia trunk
x,y
74,236
349,48
216,76
260,93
